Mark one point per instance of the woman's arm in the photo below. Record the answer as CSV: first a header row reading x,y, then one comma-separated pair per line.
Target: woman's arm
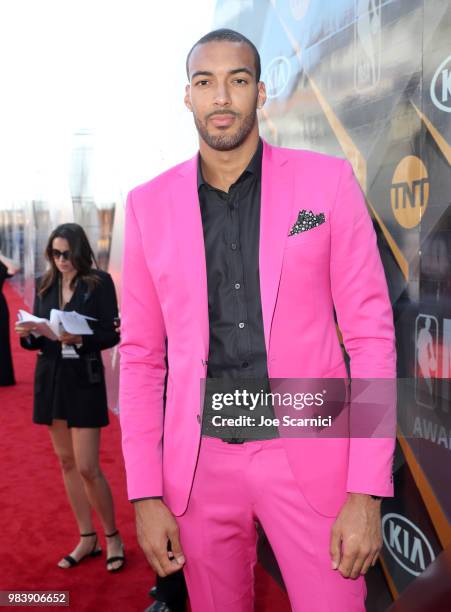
x,y
105,334
30,342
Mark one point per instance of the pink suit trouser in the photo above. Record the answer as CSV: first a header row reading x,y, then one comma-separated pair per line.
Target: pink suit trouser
x,y
234,486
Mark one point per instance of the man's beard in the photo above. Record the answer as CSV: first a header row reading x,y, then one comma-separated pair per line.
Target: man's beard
x,y
227,142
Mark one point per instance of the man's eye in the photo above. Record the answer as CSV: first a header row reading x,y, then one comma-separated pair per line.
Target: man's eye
x,y
203,82
240,81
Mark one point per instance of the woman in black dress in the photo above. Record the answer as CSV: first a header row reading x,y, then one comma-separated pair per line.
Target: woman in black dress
x,y
69,387
7,270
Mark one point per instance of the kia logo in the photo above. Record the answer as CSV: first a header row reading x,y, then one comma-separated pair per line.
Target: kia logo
x,y
277,75
406,543
441,86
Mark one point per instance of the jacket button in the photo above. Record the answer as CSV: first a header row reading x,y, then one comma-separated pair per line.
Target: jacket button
x,y
198,418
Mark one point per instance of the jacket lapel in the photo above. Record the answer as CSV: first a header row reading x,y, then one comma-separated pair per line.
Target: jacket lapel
x,y
51,299
276,206
189,236
79,297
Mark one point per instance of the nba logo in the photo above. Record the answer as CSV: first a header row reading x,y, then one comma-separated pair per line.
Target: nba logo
x,y
367,44
446,364
426,359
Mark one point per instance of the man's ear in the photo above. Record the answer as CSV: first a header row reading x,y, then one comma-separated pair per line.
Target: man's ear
x,y
261,98
187,98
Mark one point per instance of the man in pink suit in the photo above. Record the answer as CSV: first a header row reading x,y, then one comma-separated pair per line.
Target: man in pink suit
x,y
234,263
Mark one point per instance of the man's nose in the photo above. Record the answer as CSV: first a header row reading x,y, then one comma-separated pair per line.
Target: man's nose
x,y
222,95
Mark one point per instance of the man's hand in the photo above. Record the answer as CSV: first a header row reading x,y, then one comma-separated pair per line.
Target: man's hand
x,y
356,537
155,525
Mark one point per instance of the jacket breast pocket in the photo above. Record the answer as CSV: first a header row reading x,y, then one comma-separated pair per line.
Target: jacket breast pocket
x,y
311,246
318,236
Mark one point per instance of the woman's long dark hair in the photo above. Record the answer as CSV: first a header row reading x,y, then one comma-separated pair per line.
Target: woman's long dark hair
x,y
81,256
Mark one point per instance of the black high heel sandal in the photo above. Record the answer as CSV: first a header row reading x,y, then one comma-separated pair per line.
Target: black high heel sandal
x,y
95,552
117,557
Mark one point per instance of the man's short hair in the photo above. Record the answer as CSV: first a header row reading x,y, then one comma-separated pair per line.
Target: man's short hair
x,y
230,36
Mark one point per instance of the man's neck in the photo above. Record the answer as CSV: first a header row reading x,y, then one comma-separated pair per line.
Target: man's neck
x,y
221,169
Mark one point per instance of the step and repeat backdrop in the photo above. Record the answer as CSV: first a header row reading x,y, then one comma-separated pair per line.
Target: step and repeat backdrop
x,y
370,81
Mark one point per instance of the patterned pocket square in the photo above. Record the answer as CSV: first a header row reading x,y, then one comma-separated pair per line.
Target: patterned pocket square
x,y
305,221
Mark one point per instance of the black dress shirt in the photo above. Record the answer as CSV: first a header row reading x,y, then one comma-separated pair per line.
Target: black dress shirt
x,y
231,225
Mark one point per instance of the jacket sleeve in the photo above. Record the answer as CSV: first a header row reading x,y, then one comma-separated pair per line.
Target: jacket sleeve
x,y
30,342
105,335
142,368
365,319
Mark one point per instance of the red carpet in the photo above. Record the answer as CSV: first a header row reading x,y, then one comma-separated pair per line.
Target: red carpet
x,y
37,523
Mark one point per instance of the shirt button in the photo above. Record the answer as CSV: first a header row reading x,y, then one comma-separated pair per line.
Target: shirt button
x,y
198,418
237,285
233,246
241,325
245,364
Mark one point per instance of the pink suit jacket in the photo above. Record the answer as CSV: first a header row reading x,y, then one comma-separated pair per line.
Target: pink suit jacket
x,y
302,278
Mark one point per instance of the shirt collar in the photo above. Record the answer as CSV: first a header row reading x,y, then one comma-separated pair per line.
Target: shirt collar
x,y
254,167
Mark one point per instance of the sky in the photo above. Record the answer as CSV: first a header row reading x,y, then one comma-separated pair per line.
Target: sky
x,y
114,68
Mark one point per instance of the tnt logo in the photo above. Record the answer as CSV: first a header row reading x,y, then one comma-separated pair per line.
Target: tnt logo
x,y
409,191
441,86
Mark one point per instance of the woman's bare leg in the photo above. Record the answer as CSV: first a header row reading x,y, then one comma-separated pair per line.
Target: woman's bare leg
x,y
86,444
73,483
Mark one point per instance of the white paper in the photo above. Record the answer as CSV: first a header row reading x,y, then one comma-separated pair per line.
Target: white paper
x,y
73,322
25,317
41,327
60,320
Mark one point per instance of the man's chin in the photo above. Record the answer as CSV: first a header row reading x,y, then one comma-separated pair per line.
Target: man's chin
x,y
223,141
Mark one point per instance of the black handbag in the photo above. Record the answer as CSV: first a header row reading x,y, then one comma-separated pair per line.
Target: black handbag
x,y
94,367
